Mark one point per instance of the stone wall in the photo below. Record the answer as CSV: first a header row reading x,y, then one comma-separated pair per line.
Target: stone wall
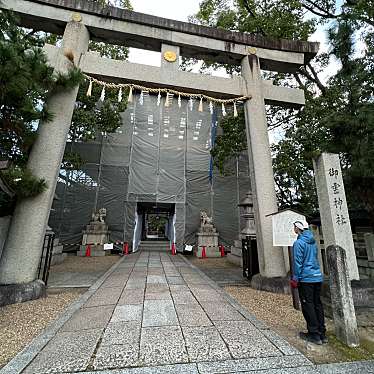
x,y
364,263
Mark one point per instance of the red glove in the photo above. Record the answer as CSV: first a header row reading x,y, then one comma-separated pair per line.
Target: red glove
x,y
294,283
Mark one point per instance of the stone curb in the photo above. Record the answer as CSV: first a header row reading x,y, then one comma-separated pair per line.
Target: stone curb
x,y
24,358
335,368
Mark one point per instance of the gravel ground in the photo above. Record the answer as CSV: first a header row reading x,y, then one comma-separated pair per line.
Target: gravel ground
x,y
277,312
85,264
20,323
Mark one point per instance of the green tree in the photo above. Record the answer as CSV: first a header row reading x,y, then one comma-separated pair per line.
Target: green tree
x,y
337,116
25,82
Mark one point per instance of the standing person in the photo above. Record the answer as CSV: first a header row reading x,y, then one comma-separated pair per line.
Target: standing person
x,y
308,279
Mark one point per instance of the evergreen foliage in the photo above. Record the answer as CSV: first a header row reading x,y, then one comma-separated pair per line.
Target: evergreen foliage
x,y
338,116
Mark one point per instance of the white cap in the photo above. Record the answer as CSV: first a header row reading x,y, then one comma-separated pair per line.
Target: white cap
x,y
302,225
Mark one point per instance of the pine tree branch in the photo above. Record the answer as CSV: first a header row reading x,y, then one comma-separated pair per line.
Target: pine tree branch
x,y
320,85
313,6
253,14
298,80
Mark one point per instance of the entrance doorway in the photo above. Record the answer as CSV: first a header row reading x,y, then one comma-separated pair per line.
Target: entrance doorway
x,y
157,221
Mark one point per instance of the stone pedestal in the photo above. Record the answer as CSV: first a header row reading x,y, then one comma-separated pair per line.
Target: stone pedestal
x,y
4,227
208,237
96,235
236,255
19,293
57,256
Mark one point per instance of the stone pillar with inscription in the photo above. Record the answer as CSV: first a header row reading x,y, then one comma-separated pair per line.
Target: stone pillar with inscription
x,y
333,208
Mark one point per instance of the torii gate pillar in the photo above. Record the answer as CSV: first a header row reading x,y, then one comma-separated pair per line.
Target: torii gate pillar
x,y
271,258
23,246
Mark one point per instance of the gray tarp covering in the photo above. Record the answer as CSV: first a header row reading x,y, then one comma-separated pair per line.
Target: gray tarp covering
x,y
160,154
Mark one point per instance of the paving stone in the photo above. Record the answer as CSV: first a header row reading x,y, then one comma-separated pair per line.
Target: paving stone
x,y
89,318
117,356
298,370
66,352
175,280
162,345
245,341
252,364
158,295
178,288
134,285
194,280
347,368
115,280
158,279
121,333
285,347
159,313
104,296
205,344
157,287
156,271
221,311
206,295
192,315
132,296
184,298
127,313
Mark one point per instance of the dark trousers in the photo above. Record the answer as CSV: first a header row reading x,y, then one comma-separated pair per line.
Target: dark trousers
x,y
312,308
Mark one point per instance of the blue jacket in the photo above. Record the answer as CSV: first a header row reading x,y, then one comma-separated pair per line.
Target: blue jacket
x,y
305,259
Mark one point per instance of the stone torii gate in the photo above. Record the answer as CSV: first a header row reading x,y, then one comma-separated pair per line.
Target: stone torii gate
x,y
80,21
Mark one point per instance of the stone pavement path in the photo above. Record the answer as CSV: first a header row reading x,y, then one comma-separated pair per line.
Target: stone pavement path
x,y
155,313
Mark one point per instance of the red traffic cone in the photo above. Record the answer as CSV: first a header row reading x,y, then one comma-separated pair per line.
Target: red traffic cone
x,y
88,251
222,250
203,252
125,248
173,251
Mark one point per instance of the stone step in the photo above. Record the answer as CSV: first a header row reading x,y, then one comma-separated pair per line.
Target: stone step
x,y
162,246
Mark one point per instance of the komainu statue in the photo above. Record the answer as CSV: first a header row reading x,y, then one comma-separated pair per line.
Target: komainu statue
x,y
99,216
205,219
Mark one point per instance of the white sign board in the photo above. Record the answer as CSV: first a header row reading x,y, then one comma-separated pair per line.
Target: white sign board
x,y
108,246
283,233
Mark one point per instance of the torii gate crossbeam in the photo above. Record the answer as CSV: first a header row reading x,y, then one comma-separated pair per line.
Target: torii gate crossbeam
x,y
81,20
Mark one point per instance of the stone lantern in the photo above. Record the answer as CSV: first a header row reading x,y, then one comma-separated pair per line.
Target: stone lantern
x,y
249,229
248,216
